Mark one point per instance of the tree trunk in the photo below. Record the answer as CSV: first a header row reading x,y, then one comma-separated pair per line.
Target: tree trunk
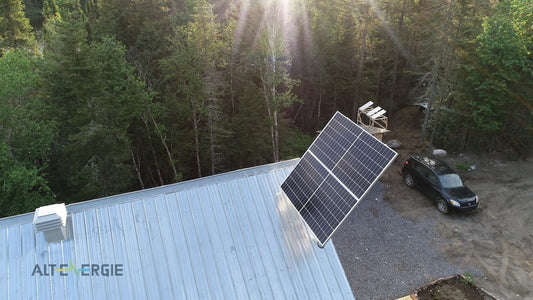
x,y
273,91
276,136
396,58
297,113
212,147
165,145
319,106
335,98
357,100
151,178
197,141
153,152
426,121
437,113
137,169
378,81
269,112
432,84
231,92
393,84
271,129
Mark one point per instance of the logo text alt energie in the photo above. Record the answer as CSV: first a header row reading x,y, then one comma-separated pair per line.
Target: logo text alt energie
x,y
85,270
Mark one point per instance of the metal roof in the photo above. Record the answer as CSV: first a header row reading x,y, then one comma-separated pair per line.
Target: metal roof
x,y
228,236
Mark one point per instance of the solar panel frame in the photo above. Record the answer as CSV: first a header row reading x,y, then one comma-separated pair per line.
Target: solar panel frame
x,y
340,167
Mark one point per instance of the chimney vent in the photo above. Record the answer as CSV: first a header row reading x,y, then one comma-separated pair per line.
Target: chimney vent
x,y
51,220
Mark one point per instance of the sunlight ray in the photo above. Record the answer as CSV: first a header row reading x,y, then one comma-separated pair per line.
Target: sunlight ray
x,y
307,35
277,17
385,23
241,25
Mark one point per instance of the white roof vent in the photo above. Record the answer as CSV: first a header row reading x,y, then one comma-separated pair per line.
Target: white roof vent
x,y
52,221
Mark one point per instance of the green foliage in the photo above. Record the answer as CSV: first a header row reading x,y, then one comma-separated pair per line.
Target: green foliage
x,y
135,94
249,142
24,123
15,29
26,135
195,81
96,98
34,12
22,188
500,81
266,67
468,278
295,143
144,27
462,167
50,10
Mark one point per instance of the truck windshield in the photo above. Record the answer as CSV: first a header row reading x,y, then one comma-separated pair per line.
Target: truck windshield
x,y
451,180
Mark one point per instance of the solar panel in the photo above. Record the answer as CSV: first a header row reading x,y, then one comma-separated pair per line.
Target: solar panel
x,y
334,174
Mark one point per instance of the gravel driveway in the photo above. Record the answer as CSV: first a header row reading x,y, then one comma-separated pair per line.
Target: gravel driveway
x,y
386,256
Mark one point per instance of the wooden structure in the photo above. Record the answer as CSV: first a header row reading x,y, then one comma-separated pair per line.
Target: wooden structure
x,y
373,119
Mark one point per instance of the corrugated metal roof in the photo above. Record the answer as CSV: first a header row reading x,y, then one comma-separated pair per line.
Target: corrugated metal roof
x,y
229,236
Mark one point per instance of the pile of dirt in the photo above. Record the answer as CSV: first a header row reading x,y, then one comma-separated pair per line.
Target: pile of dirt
x,y
407,118
405,126
456,288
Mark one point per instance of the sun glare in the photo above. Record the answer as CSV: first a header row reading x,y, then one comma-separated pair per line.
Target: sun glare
x,y
387,28
286,19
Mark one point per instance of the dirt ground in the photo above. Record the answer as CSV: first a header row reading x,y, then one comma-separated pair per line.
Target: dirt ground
x,y
456,288
497,238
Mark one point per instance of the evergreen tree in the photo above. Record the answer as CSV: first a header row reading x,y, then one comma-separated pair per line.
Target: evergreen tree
x,y
194,71
26,135
96,99
15,29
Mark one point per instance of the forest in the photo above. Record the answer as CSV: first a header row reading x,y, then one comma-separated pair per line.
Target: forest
x,y
100,97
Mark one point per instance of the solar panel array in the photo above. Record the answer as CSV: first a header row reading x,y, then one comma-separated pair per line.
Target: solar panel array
x,y
339,168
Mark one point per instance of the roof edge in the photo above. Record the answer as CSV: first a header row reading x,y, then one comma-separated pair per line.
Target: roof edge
x,y
164,189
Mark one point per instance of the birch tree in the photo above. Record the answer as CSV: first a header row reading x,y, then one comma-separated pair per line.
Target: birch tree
x,y
195,66
271,61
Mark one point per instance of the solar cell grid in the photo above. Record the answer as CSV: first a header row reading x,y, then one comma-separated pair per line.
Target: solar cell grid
x,y
326,209
353,180
350,126
310,214
333,142
337,171
308,175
